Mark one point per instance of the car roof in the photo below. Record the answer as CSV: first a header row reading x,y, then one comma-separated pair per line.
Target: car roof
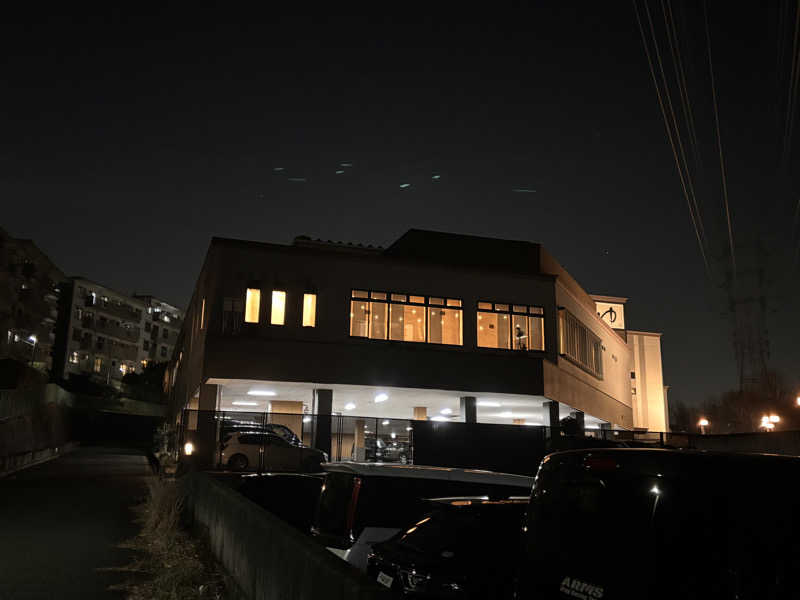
x,y
681,461
428,472
460,501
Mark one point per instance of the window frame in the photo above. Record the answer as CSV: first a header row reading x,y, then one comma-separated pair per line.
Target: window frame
x,y
388,299
511,311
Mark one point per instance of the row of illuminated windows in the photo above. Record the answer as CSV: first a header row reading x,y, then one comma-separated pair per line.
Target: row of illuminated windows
x,y
277,310
409,318
405,318
580,344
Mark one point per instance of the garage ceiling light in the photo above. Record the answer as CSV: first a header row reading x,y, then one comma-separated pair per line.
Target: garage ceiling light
x,y
349,406
446,411
491,403
381,397
244,403
260,393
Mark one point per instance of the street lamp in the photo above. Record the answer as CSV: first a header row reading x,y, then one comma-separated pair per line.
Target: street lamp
x,y
703,423
32,341
768,422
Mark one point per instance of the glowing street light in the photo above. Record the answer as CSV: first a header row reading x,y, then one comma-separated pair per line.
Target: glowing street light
x,y
702,423
774,419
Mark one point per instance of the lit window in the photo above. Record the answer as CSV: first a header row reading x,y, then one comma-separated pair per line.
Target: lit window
x,y
203,313
73,358
123,368
444,326
579,344
252,305
98,364
507,327
406,323
278,307
309,310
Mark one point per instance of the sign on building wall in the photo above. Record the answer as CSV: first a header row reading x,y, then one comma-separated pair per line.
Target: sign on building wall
x,y
612,313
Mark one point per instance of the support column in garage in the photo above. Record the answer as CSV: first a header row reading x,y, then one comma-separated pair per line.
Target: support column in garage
x,y
469,409
551,408
207,444
323,408
579,420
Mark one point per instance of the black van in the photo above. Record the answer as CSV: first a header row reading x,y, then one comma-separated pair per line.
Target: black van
x,y
632,523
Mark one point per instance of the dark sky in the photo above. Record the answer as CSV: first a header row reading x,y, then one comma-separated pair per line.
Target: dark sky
x,y
129,139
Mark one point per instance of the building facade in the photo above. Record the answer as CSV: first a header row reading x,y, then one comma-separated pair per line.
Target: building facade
x,y
436,326
29,292
104,334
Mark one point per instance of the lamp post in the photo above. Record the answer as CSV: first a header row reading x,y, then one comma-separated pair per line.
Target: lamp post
x,y
32,341
702,423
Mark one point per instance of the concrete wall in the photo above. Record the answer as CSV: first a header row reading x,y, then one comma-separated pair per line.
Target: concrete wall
x,y
267,557
649,401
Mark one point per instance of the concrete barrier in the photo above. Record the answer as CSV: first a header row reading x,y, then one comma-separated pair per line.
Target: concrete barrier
x,y
267,557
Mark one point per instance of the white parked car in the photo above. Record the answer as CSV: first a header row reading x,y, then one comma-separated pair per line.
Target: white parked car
x,y
268,451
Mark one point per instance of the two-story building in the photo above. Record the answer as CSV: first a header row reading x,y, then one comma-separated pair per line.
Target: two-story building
x,y
436,326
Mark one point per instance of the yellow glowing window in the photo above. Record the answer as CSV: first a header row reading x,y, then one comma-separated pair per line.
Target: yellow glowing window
x,y
252,305
309,310
278,307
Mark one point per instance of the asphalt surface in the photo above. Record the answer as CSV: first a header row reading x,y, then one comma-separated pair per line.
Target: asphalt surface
x,y
61,521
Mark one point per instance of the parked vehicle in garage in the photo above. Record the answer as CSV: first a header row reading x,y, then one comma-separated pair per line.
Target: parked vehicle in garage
x,y
657,524
291,496
365,503
245,450
464,548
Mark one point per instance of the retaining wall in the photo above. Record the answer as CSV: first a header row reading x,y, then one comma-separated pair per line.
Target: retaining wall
x,y
268,558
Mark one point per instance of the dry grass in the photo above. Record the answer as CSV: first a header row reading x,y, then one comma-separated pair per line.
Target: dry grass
x,y
172,565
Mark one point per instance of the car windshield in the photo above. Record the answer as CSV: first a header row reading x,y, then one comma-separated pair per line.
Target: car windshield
x,y
454,532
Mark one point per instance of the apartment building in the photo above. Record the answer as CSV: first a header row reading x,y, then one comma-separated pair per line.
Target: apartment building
x,y
105,334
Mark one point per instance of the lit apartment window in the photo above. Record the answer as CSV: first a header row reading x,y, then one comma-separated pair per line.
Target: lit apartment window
x,y
405,318
98,364
579,344
203,314
278,315
309,310
252,305
510,327
73,358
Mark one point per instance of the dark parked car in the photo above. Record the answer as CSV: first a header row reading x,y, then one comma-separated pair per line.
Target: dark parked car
x,y
658,524
251,450
291,496
465,548
365,503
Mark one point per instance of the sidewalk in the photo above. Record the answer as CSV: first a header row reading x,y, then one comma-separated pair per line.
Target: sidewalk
x,y
61,520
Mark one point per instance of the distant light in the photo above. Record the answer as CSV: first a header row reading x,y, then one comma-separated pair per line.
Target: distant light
x,y
260,393
345,164
655,490
188,448
385,422
306,419
349,406
381,397
798,401
244,403
405,185
439,418
394,435
774,419
339,172
703,422
436,177
277,169
491,403
446,411
409,428
523,191
297,179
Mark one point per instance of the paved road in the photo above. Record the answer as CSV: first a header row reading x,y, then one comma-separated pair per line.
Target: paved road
x,y
60,521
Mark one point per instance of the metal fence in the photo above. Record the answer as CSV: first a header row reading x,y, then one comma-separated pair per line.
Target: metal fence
x,y
258,441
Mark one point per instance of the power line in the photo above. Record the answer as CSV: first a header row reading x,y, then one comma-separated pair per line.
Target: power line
x,y
719,141
671,141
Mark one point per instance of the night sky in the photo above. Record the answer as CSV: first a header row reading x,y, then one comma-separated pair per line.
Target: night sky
x,y
129,139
